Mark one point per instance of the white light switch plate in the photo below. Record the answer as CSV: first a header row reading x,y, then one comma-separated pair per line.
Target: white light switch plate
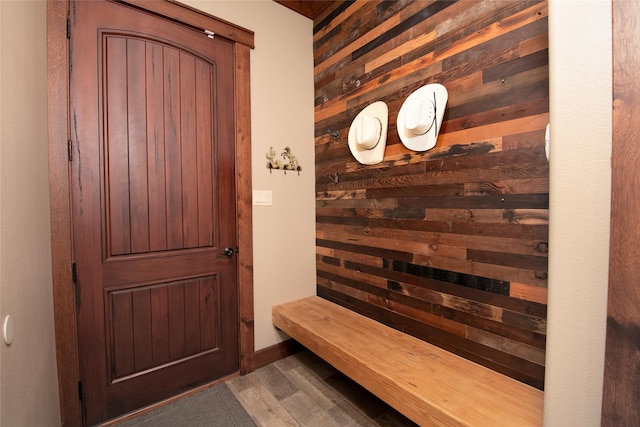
x,y
262,198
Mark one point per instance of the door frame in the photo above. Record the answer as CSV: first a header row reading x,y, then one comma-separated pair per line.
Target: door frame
x,y
64,298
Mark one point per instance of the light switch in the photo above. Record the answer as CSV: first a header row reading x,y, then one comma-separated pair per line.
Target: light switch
x,y
262,198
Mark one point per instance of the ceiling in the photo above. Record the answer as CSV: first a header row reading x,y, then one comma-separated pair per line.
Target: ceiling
x,y
308,8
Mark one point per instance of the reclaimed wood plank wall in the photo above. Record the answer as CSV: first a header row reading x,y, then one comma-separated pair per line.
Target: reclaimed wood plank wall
x,y
450,244
621,391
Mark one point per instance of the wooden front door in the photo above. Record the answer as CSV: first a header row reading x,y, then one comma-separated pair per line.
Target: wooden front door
x,y
153,205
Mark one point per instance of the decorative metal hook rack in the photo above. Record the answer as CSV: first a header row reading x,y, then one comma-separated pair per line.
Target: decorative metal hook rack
x,y
289,162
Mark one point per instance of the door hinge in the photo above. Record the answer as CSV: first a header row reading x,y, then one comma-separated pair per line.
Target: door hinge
x,y
70,150
80,395
76,286
68,26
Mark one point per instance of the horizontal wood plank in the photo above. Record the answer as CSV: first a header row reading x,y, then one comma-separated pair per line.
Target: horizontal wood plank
x,y
427,384
449,244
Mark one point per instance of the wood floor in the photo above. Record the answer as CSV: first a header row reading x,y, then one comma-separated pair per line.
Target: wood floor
x,y
303,390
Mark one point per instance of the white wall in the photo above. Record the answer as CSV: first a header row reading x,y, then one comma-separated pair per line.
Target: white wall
x,y
281,115
580,178
28,384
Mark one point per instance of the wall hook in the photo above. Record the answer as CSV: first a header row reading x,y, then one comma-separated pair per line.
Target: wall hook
x,y
290,161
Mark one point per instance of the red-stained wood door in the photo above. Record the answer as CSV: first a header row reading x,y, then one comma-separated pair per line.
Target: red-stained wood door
x,y
153,195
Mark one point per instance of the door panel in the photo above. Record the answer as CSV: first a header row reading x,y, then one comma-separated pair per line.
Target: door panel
x,y
174,179
149,327
153,195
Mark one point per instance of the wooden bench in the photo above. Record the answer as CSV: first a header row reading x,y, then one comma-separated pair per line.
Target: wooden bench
x,y
427,384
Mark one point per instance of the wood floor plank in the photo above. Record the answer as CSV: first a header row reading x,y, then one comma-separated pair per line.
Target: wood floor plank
x,y
315,365
304,409
348,415
245,382
275,382
264,408
324,397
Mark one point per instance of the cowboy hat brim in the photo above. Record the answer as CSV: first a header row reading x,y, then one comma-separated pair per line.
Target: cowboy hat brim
x,y
437,93
374,155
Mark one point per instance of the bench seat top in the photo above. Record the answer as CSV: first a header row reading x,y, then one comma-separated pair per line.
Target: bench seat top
x,y
427,384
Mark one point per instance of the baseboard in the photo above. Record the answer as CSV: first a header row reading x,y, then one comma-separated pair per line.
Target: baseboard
x,y
276,352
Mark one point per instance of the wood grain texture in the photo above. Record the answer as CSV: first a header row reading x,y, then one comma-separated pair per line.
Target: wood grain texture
x,y
64,292
145,335
424,382
242,98
310,9
271,354
174,187
451,244
322,396
64,295
622,359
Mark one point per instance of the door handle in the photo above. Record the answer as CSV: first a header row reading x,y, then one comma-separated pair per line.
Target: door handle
x,y
228,251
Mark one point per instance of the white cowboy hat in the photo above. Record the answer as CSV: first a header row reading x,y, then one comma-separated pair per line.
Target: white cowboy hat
x,y
368,133
420,117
